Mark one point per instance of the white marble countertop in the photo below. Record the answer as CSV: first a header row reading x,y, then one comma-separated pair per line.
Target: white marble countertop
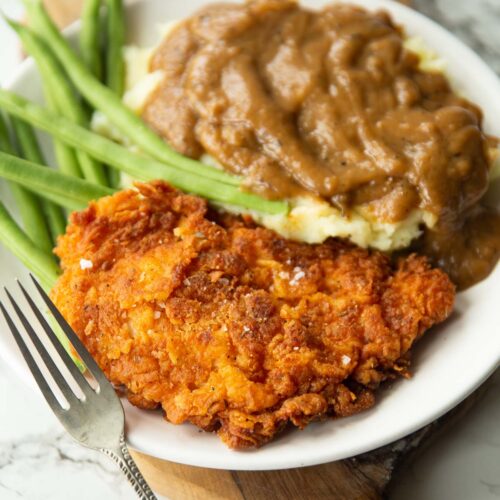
x,y
39,461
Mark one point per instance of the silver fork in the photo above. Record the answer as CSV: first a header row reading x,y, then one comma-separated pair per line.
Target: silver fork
x,y
96,420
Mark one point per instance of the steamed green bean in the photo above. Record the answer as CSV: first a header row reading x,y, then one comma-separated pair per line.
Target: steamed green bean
x,y
27,203
65,156
60,97
49,67
90,40
105,100
30,150
69,191
140,167
40,262
115,65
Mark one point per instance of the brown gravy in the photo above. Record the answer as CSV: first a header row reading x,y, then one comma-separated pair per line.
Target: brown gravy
x,y
467,252
328,102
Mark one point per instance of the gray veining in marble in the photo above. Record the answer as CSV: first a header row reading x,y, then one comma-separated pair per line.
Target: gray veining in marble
x,y
464,462
475,22
39,461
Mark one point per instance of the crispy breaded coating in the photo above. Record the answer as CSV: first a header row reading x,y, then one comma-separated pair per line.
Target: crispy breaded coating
x,y
231,327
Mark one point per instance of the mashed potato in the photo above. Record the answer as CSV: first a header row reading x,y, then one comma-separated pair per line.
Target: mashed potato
x,y
313,220
310,219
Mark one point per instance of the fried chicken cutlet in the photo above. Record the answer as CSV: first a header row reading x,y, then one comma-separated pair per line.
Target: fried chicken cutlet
x,y
229,326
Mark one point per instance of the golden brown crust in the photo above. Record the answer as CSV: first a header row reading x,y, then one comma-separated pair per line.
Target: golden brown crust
x,y
232,327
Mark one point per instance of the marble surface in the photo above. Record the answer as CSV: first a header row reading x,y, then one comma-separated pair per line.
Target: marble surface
x,y
39,461
475,22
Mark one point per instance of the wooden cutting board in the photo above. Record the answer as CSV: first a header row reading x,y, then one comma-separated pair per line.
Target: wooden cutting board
x,y
364,477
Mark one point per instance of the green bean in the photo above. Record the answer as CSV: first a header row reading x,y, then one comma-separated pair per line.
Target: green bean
x,y
61,98
69,191
106,101
90,46
38,261
115,65
93,170
30,150
66,160
28,204
114,177
139,167
65,156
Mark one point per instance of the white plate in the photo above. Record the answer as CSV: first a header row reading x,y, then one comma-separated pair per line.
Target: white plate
x,y
449,363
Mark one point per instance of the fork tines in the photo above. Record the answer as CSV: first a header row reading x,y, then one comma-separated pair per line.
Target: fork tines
x,y
96,420
50,364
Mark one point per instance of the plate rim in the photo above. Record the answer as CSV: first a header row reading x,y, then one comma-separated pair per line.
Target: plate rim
x,y
326,456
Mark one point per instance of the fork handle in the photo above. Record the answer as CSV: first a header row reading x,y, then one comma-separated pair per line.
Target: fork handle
x,y
122,457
